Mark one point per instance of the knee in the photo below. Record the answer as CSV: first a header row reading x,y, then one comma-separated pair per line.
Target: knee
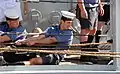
x,y
35,61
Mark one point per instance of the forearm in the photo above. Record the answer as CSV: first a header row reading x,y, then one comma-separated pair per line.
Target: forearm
x,y
31,41
49,40
81,5
36,38
41,37
101,10
26,7
100,3
4,38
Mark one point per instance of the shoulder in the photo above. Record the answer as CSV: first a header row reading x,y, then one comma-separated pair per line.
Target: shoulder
x,y
53,27
4,25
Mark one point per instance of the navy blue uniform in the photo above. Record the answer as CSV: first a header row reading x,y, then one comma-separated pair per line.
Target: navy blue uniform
x,y
13,37
11,56
63,37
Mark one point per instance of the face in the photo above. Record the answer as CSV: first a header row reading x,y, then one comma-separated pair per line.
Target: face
x,y
66,24
13,23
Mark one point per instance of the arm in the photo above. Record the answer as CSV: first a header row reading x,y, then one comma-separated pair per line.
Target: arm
x,y
35,38
81,4
4,38
26,7
30,41
101,10
82,9
44,41
48,40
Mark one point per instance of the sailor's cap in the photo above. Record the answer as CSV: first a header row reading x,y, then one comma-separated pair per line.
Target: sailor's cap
x,y
11,13
68,15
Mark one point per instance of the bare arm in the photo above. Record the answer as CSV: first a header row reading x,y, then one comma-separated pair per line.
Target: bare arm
x,y
26,7
4,38
30,41
101,10
81,4
44,41
82,9
100,3
48,40
36,38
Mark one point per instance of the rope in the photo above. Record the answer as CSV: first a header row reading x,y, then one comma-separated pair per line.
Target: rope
x,y
70,52
86,44
71,48
72,45
59,51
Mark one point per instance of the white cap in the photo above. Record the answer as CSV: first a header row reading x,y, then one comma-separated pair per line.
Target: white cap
x,y
68,15
11,13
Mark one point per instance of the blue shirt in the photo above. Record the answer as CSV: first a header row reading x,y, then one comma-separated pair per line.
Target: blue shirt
x,y
63,37
91,3
13,37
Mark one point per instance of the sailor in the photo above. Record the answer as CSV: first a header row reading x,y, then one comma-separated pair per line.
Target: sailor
x,y
87,13
62,35
12,25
